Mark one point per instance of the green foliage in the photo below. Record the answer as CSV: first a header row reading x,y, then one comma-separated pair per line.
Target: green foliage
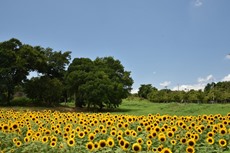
x,y
213,93
21,101
99,83
44,89
145,89
17,60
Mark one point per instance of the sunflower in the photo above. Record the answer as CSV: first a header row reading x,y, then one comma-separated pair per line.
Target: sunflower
x,y
15,140
96,146
102,143
154,149
96,130
133,133
183,140
18,143
26,139
149,142
53,138
103,130
5,127
210,134
77,129
166,150
191,142
196,136
53,144
45,139
90,146
157,129
161,138
113,133
174,128
91,136
190,149
223,131
120,132
125,146
71,142
119,137
173,142
119,125
48,132
136,147
222,142
139,128
110,142
81,134
38,134
170,134
210,140
15,126
121,142
140,141
148,128
34,138
154,134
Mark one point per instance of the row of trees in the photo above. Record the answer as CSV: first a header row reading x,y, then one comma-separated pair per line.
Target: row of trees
x,y
213,92
92,83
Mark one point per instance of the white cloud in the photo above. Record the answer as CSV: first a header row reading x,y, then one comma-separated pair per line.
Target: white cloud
x,y
226,78
227,56
198,3
165,84
187,87
200,85
133,91
204,80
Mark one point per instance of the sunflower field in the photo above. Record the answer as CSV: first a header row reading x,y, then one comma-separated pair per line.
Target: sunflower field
x,y
70,132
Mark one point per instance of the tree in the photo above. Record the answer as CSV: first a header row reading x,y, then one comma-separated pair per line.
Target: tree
x,y
44,90
99,83
50,87
16,61
145,89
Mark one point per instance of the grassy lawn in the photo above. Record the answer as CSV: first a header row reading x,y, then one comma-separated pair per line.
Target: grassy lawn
x,y
144,107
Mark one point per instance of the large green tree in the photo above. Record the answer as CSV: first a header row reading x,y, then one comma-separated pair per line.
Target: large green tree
x,y
16,61
50,86
99,83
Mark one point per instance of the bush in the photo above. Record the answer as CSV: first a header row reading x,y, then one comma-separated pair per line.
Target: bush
x,y
21,101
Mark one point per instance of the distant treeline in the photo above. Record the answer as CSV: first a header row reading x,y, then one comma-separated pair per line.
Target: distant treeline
x,y
212,93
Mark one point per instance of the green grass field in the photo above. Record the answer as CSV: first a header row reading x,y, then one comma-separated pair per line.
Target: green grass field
x,y
144,107
137,106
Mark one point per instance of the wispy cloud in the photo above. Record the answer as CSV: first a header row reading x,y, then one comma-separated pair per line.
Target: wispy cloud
x,y
206,79
227,56
226,78
198,3
187,87
200,85
165,84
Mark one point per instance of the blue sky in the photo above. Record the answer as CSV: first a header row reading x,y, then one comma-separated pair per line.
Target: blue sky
x,y
179,43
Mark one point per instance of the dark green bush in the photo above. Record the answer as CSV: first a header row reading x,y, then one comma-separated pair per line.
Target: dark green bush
x,y
21,101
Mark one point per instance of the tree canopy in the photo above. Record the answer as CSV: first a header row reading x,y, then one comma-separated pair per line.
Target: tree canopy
x,y
213,92
99,83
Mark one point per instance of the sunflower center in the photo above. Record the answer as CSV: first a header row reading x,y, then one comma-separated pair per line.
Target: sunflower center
x,y
136,148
